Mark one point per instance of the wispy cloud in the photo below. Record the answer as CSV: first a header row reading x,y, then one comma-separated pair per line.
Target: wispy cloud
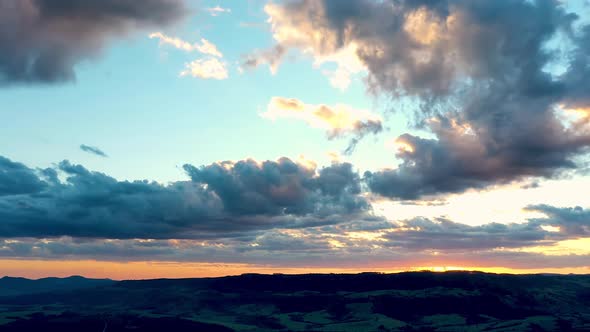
x,y
209,67
204,47
337,120
217,10
93,150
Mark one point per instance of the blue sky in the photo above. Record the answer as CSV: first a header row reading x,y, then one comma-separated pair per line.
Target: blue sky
x,y
131,102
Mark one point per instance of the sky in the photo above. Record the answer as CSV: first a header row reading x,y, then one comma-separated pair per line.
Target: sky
x,y
179,138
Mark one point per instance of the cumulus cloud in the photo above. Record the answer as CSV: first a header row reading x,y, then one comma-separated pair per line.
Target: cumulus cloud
x,y
461,157
223,200
206,68
338,120
290,30
43,40
204,47
93,150
18,179
475,65
270,188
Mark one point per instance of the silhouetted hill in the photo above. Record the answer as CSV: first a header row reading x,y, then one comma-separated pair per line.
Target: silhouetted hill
x,y
411,301
11,286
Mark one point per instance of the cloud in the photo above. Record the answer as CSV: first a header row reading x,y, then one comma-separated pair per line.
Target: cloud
x,y
205,47
479,77
272,212
93,150
226,199
446,235
41,41
18,179
271,57
206,68
462,157
338,120
269,188
410,243
217,10
573,221
291,30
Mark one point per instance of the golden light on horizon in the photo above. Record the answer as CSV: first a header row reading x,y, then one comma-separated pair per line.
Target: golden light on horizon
x,y
503,204
35,269
579,246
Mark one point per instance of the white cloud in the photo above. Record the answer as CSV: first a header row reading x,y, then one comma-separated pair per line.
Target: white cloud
x,y
204,47
206,68
209,67
294,32
217,10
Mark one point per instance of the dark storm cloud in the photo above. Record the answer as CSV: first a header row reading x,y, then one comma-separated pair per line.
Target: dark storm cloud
x,y
223,200
271,188
573,221
457,159
17,179
478,73
93,150
43,40
443,234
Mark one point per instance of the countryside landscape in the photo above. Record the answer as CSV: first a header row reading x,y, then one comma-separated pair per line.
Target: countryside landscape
x,y
411,301
294,165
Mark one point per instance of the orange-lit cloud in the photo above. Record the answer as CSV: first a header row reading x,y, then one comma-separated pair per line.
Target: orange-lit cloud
x,y
424,26
337,120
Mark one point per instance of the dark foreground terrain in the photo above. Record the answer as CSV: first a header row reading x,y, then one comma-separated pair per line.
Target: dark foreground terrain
x,y
412,301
